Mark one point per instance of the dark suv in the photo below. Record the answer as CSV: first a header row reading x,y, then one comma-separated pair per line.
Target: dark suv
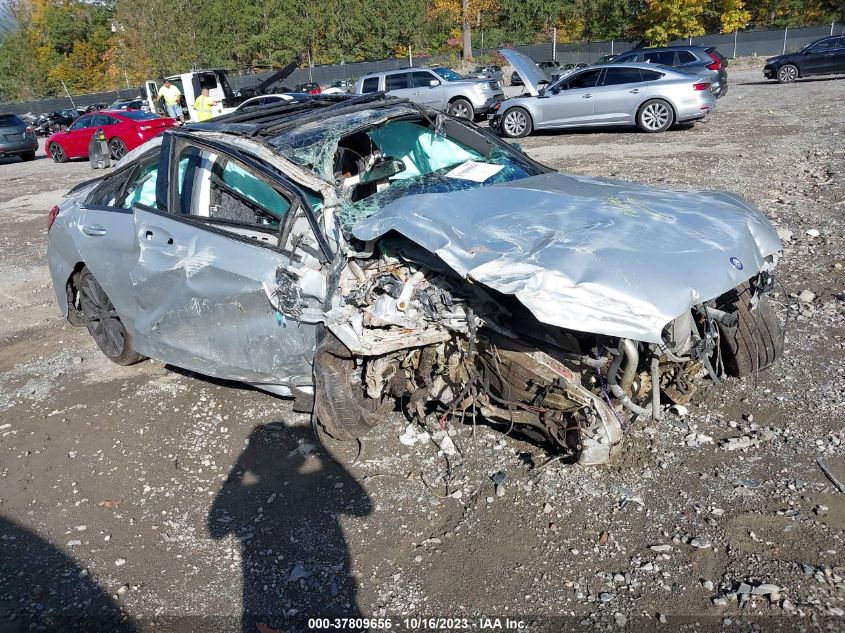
x,y
822,57
17,138
698,60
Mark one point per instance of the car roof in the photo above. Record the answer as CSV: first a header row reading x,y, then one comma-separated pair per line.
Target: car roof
x,y
639,65
684,47
275,119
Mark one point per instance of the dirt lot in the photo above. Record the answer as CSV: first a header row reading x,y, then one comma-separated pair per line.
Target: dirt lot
x,y
178,500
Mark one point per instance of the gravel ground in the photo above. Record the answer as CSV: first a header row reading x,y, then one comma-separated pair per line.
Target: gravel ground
x,y
161,500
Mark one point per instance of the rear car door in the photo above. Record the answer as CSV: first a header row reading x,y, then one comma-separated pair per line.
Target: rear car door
x,y
821,58
839,56
571,103
400,85
617,98
230,274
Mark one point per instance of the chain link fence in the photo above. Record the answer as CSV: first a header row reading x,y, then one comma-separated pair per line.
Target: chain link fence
x,y
740,44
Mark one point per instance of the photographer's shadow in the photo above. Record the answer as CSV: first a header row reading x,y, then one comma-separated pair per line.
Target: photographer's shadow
x,y
282,502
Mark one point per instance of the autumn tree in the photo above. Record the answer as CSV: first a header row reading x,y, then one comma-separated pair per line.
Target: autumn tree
x,y
461,14
734,16
665,20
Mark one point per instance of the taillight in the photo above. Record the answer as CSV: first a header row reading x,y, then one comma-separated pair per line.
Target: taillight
x,y
701,85
51,217
717,63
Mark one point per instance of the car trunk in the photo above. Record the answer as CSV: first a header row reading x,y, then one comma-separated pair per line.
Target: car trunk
x,y
12,128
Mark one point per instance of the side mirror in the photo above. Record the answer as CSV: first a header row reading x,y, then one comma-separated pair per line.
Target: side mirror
x,y
434,83
383,170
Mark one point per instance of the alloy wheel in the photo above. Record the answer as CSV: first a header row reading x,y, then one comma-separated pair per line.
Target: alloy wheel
x,y
118,148
57,153
655,116
788,74
514,123
101,318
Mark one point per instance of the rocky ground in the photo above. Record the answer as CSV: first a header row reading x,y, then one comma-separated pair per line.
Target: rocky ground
x,y
169,501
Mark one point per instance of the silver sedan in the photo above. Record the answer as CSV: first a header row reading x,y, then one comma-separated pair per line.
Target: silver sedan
x,y
649,96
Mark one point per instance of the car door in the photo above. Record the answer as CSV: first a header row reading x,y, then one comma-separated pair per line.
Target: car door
x,y
617,98
820,58
230,274
569,103
423,92
400,85
839,56
105,235
75,139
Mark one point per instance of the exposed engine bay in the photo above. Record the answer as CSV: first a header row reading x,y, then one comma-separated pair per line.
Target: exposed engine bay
x,y
405,328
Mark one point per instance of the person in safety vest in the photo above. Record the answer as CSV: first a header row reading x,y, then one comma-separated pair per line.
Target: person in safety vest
x,y
203,106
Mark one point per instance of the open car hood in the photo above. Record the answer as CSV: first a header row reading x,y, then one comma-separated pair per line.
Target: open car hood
x,y
589,254
532,76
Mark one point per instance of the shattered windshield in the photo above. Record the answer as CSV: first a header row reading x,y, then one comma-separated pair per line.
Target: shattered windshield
x,y
409,158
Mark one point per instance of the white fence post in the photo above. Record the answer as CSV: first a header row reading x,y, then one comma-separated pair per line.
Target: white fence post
x,y
831,27
735,32
611,48
785,31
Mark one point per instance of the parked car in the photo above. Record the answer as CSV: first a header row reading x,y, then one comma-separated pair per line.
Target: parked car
x,y
465,98
649,96
94,107
338,87
125,130
55,121
17,137
308,88
516,80
486,72
363,253
263,100
604,59
129,104
822,57
705,62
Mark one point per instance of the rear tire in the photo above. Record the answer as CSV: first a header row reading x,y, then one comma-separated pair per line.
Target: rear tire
x,y
787,73
655,115
117,148
756,341
28,156
103,322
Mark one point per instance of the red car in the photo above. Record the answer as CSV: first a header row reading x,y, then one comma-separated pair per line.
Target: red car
x,y
125,129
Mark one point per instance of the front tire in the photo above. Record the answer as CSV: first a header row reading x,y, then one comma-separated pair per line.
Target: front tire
x,y
787,74
516,123
341,407
57,153
655,115
462,109
756,341
103,322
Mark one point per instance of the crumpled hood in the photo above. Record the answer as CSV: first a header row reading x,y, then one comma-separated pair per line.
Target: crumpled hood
x,y
589,254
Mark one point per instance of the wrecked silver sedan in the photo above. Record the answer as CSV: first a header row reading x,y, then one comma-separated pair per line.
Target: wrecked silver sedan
x,y
359,254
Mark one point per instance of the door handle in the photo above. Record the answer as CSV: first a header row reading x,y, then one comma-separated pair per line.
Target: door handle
x,y
587,96
94,230
416,93
634,91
